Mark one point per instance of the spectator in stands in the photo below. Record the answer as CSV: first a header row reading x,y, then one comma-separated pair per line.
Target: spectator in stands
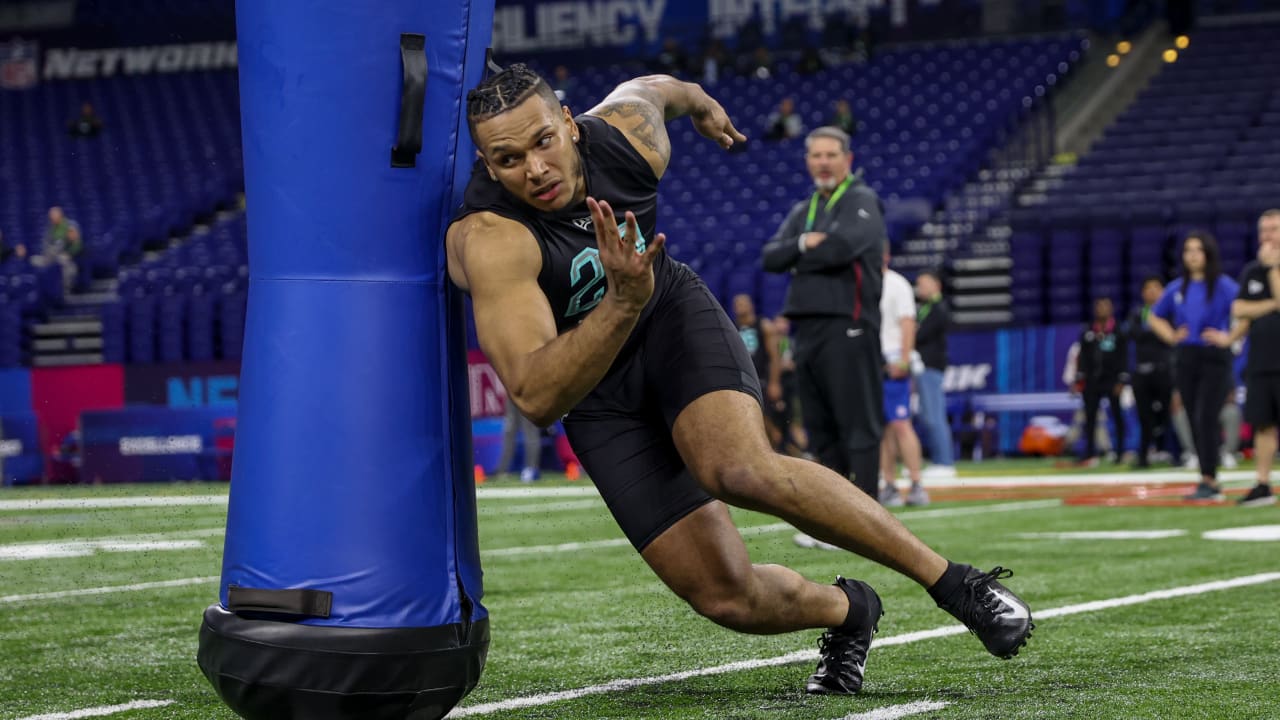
x,y
1101,373
563,84
514,422
810,61
843,118
832,244
88,124
18,251
784,123
713,60
1152,378
933,320
898,346
671,60
1194,314
1258,306
759,64
61,244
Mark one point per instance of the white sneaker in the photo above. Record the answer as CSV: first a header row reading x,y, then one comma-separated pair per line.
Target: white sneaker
x,y
1190,462
813,543
939,472
1229,461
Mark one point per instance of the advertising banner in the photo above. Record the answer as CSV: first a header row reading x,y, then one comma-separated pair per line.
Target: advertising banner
x,y
58,397
186,385
155,444
21,461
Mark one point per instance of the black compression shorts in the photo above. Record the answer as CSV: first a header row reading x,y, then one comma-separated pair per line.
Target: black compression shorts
x,y
621,431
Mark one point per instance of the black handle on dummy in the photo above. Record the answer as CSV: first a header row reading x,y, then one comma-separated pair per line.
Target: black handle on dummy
x,y
413,97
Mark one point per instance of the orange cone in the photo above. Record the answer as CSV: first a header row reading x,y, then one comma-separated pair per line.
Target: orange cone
x,y
572,472
480,477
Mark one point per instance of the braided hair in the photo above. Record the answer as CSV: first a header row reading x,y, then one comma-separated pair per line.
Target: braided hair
x,y
505,90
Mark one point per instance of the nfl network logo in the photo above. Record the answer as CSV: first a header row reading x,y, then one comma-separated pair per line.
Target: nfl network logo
x,y
19,69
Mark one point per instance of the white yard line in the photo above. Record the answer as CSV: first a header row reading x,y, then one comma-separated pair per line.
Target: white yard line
x,y
492,493
102,503
82,592
535,508
893,712
752,530
85,548
811,655
1104,535
101,711
1149,477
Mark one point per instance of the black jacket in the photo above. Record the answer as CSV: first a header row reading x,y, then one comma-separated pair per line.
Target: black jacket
x,y
843,275
1151,354
934,320
1104,357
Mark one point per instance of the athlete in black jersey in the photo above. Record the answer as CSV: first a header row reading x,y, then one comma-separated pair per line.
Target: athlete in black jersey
x,y
587,319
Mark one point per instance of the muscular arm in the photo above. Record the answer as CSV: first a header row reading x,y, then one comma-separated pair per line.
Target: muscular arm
x,y
498,261
641,107
908,326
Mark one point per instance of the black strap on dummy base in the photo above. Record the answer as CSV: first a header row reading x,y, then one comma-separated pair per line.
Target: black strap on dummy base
x,y
301,602
413,95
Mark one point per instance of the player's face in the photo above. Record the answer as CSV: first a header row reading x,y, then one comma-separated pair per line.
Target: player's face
x,y
828,163
742,307
530,150
1151,292
1102,310
1193,255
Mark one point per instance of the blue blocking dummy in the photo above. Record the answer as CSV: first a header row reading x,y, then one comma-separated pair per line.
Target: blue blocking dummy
x,y
351,580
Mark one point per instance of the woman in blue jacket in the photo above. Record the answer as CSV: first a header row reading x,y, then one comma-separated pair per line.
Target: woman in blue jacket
x,y
1194,315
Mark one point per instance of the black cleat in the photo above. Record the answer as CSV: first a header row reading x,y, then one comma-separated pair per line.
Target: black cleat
x,y
1260,495
843,649
1000,619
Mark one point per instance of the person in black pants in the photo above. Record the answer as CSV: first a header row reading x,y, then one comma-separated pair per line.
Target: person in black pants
x,y
1258,306
1101,372
1152,378
1194,314
832,244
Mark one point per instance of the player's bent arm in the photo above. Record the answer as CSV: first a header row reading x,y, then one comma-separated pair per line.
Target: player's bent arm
x,y
782,252
1253,309
641,107
545,374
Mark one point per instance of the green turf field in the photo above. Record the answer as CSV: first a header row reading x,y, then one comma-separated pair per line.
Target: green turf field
x,y
564,620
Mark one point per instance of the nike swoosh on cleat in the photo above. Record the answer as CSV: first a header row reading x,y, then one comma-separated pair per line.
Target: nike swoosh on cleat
x,y
1019,611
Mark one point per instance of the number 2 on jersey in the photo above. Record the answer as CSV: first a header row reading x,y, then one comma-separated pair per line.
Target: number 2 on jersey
x,y
592,293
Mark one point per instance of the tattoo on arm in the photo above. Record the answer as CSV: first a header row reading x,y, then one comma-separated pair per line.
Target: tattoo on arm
x,y
642,121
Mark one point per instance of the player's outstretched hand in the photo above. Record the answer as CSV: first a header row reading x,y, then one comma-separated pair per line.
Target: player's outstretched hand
x,y
714,123
628,271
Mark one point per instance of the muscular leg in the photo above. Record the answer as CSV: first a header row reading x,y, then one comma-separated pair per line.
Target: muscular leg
x,y
703,560
721,438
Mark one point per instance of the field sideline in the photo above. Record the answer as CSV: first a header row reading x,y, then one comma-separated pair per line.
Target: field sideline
x,y
1139,614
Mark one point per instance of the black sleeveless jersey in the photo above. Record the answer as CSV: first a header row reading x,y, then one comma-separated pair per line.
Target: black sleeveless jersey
x,y
572,276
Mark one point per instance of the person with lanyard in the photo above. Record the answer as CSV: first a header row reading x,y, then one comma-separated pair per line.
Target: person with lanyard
x,y
1258,307
832,244
761,340
1194,315
1152,378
